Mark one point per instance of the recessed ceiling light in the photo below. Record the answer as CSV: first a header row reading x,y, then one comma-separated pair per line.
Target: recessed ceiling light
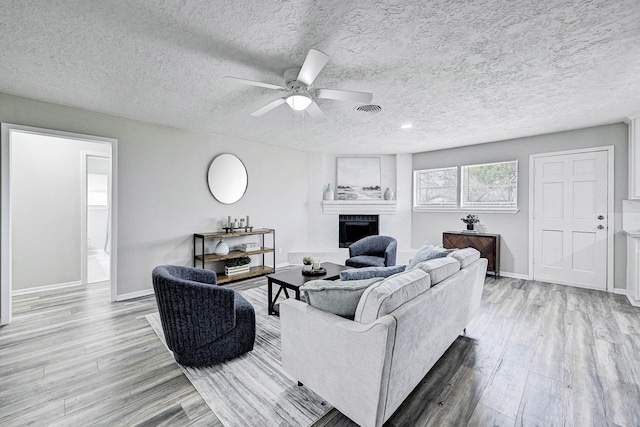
x,y
406,126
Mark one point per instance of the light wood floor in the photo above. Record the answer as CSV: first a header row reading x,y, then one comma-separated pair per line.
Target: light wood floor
x,y
536,355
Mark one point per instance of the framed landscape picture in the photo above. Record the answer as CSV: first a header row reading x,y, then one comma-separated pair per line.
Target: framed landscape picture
x,y
358,178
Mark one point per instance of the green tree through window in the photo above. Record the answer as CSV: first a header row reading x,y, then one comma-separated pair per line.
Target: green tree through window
x,y
436,187
493,185
484,186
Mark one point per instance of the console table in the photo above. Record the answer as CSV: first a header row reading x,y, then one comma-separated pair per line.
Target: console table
x,y
199,254
487,244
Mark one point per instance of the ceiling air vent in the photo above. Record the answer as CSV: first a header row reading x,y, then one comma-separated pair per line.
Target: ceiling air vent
x,y
369,108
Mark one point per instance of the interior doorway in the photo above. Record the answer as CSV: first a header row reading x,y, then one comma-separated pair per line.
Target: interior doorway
x,y
96,227
44,194
572,218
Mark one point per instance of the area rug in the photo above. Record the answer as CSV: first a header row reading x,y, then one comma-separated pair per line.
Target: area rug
x,y
253,389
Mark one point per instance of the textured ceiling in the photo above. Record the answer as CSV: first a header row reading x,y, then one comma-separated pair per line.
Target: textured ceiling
x,y
462,72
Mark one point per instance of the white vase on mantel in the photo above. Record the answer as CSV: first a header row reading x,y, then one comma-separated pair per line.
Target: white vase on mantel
x,y
328,193
388,194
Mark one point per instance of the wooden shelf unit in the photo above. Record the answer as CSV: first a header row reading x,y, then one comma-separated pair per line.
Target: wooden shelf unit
x,y
487,244
200,256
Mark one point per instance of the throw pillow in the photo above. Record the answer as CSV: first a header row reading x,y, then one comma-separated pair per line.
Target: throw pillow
x,y
370,272
465,256
336,296
427,252
385,296
440,268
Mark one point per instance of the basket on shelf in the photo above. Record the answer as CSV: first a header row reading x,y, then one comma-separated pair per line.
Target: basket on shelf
x,y
237,266
232,271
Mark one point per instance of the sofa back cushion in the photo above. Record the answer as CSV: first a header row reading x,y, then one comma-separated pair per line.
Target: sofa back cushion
x,y
384,297
439,269
336,296
465,256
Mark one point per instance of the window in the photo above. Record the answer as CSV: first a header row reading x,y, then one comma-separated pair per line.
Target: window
x,y
97,190
489,186
492,185
436,188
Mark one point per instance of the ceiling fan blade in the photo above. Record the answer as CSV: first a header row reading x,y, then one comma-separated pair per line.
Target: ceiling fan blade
x,y
316,113
270,106
344,95
312,65
254,83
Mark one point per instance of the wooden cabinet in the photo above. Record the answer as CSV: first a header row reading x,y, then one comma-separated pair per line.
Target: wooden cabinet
x,y
487,244
200,256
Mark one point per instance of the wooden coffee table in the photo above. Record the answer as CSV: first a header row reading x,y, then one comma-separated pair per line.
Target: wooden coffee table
x,y
293,279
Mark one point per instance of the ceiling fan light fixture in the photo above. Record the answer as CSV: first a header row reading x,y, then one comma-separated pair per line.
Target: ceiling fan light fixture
x,y
298,101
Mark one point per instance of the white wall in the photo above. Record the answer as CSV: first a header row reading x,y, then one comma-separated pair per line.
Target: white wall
x,y
163,197
45,191
513,228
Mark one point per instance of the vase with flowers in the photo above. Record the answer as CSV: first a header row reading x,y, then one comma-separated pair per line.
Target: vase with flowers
x,y
471,221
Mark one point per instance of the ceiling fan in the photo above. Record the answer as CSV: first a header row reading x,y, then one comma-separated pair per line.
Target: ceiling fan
x,y
300,96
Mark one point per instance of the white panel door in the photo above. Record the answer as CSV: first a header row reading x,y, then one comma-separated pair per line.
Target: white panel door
x,y
570,219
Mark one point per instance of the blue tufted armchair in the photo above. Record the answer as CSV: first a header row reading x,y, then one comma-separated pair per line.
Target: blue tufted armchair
x,y
373,251
203,323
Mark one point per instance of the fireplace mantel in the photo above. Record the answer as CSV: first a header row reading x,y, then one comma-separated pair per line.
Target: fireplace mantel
x,y
373,207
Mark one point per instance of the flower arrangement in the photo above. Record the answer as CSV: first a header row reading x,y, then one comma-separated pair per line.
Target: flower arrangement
x,y
470,219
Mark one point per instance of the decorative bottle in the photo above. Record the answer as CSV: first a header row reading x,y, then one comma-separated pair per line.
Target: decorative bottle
x,y
388,194
328,193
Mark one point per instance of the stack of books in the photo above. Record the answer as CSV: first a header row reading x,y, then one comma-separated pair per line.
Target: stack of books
x,y
251,246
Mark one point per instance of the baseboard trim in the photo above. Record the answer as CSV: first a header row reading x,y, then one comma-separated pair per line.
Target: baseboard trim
x,y
27,291
147,292
514,275
634,302
132,295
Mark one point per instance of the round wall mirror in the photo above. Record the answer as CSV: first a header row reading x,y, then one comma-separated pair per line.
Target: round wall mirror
x,y
227,178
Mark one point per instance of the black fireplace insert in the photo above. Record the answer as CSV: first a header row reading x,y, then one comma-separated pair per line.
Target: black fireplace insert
x,y
352,228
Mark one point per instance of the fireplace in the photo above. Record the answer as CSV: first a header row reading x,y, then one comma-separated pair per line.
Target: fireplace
x,y
354,227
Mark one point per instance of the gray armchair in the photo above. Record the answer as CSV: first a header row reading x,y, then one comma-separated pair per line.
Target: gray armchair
x,y
373,251
203,323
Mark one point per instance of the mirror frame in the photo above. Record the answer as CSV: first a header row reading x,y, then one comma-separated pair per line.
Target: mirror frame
x,y
227,178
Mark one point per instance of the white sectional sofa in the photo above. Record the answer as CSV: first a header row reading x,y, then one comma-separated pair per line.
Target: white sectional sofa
x,y
403,324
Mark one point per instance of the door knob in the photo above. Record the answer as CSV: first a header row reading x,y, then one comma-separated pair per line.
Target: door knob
x,y
600,217
601,227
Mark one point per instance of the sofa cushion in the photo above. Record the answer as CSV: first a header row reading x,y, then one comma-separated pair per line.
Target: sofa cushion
x,y
440,268
427,252
465,256
383,297
370,272
336,296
